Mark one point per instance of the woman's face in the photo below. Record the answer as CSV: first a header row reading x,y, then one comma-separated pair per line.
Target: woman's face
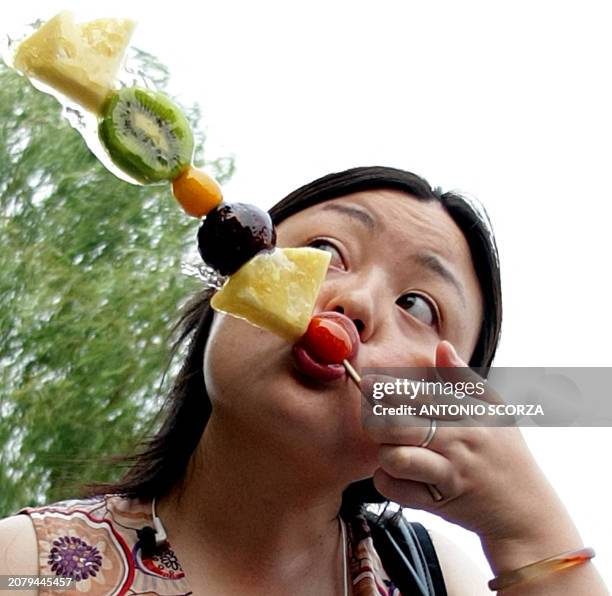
x,y
401,270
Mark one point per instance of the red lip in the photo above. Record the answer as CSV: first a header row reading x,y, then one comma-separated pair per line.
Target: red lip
x,y
308,366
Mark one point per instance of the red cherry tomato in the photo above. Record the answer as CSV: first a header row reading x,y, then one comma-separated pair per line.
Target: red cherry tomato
x,y
327,341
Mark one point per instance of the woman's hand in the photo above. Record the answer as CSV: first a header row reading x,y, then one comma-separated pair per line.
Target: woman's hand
x,y
487,476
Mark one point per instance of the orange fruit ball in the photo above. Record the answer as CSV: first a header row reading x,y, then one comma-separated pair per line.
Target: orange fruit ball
x,y
196,191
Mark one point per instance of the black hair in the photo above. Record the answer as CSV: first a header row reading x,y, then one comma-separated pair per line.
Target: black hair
x,y
163,461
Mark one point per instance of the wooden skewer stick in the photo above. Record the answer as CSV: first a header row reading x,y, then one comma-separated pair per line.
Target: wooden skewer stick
x,y
436,495
352,372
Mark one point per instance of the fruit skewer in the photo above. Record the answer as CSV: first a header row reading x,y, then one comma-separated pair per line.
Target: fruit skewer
x,y
148,138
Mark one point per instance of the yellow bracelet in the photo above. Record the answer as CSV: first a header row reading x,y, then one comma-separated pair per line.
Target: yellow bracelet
x,y
543,567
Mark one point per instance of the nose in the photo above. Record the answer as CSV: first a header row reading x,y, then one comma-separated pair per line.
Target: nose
x,y
359,324
357,306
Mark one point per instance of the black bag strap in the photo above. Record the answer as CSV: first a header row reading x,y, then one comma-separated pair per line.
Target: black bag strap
x,y
429,551
407,554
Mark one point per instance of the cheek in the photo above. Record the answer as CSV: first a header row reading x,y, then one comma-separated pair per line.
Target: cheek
x,y
464,336
238,357
405,349
224,357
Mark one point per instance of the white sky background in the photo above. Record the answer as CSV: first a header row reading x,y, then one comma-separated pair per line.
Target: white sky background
x,y
509,103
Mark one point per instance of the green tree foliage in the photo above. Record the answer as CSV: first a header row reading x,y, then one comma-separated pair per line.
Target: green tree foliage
x,y
90,286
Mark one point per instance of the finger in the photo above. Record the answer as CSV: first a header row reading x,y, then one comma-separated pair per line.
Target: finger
x,y
408,492
413,430
451,368
415,463
406,434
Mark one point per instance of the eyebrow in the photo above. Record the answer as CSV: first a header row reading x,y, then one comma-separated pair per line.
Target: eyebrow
x,y
427,260
357,214
433,263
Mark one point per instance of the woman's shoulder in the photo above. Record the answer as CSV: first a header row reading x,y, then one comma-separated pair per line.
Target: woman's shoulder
x,y
92,540
21,533
386,544
461,574
437,562
110,507
74,521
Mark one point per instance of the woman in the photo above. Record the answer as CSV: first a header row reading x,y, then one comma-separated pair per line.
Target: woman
x,y
259,472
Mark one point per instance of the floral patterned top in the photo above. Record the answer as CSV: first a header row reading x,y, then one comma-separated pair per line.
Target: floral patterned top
x,y
95,542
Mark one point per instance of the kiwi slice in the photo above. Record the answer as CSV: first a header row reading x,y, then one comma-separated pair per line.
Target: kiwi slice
x,y
146,135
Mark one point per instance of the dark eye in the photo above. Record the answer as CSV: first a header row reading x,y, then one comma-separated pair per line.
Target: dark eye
x,y
336,256
419,307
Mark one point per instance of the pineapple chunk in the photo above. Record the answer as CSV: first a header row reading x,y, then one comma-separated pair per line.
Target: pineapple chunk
x,y
276,290
78,60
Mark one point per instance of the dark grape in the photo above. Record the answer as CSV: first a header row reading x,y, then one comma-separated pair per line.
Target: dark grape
x,y
233,233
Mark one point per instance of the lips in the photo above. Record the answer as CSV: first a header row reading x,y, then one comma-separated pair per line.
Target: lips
x,y
309,366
